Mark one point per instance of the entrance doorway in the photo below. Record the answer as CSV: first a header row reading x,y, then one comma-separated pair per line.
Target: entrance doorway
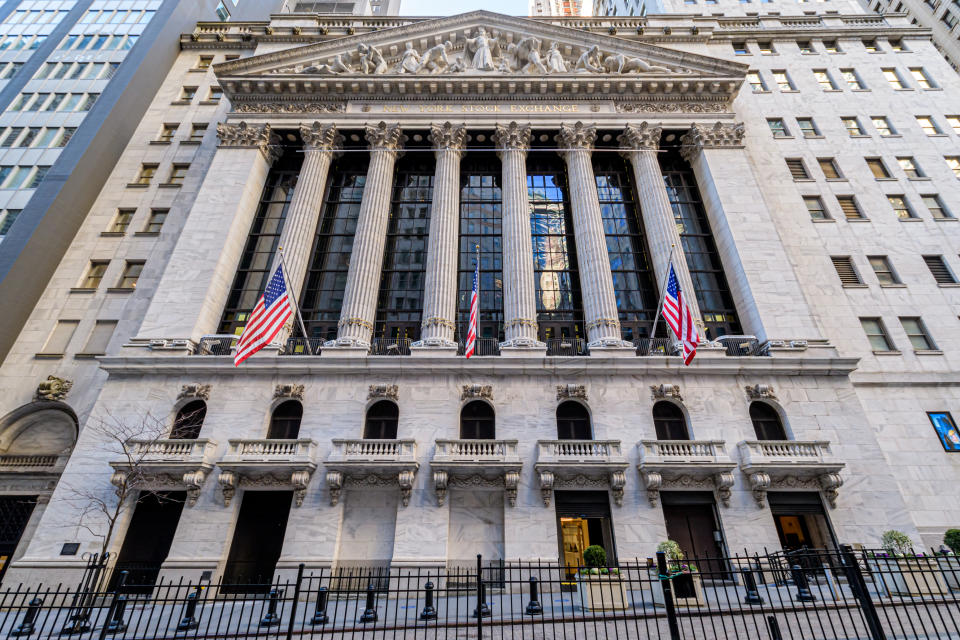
x,y
583,519
692,522
15,512
801,520
257,541
148,539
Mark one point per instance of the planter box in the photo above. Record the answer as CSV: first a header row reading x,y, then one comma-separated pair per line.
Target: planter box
x,y
602,592
908,576
950,567
687,590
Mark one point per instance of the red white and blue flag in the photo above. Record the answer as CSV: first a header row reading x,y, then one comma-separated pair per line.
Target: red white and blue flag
x,y
267,318
471,345
678,316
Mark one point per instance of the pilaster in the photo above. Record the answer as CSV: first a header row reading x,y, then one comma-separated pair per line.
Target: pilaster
x,y
600,314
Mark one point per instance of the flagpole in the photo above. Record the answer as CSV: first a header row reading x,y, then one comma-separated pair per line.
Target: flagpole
x,y
296,306
663,295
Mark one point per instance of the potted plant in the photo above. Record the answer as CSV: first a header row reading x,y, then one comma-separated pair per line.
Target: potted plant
x,y
600,587
949,561
685,580
898,570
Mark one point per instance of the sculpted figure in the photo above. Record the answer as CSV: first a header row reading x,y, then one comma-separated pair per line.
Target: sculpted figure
x,y
555,61
335,67
482,47
410,60
434,59
528,56
371,60
590,60
619,63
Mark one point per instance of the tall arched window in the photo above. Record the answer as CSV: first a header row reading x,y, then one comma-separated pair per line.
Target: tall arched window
x,y
573,422
189,421
285,421
381,421
766,422
477,421
669,422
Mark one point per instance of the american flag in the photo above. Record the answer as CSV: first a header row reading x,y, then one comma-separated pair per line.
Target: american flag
x,y
678,316
268,317
471,345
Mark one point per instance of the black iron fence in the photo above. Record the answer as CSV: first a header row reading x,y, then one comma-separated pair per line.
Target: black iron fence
x,y
813,594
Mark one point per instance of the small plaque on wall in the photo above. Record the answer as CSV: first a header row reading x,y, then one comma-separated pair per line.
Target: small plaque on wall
x,y
69,548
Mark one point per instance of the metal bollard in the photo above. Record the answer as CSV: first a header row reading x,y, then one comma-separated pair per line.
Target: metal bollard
x,y
272,618
752,597
370,611
320,613
484,608
774,627
189,619
534,608
116,622
803,588
429,611
28,624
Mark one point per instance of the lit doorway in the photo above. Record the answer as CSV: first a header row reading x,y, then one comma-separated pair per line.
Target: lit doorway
x,y
583,519
801,520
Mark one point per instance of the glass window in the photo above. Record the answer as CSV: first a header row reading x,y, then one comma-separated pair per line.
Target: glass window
x,y
77,70
99,338
477,421
953,162
805,46
893,78
831,171
60,337
167,132
147,171
38,176
61,71
946,429
188,93
204,62
807,127
871,45
852,79
669,422
573,422
882,125
824,79
928,125
878,168
900,206
766,48
94,274
197,131
215,94
11,136
88,101
46,137
18,177
756,82
883,270
766,422
178,172
285,421
65,135
189,421
7,220
783,81
131,273
954,122
31,135
815,207
38,102
156,220
55,102
876,334
896,44
831,46
921,78
72,101
853,127
122,220
740,48
917,334
777,127
381,422
910,167
5,172
851,210
935,206
94,70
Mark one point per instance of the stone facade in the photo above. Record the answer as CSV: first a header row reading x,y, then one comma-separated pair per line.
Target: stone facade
x,y
856,423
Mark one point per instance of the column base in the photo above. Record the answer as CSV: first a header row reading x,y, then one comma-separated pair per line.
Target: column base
x,y
517,347
612,348
345,348
433,347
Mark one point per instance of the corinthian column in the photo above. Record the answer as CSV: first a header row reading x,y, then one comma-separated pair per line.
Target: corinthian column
x,y
519,292
366,260
440,286
320,143
593,260
639,145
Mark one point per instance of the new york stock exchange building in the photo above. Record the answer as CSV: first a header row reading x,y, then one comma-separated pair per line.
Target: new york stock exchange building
x,y
805,202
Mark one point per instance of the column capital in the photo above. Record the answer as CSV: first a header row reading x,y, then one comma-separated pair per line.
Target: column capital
x,y
320,137
577,136
385,137
718,136
448,137
244,136
512,137
640,137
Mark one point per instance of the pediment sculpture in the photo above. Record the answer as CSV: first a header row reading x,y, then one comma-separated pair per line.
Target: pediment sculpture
x,y
483,53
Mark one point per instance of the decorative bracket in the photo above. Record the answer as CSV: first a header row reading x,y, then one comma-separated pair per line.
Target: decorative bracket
x,y
652,481
724,482
830,483
335,484
618,479
511,479
440,481
759,483
405,479
228,484
194,481
546,486
299,480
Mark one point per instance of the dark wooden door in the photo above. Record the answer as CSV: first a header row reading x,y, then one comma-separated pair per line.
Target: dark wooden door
x,y
257,541
148,539
692,526
15,512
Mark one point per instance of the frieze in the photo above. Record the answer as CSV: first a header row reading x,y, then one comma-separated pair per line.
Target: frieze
x,y
671,107
289,107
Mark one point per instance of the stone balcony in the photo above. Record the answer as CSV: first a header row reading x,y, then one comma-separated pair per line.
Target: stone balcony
x,y
167,464
581,464
372,463
264,462
475,464
26,464
790,464
685,464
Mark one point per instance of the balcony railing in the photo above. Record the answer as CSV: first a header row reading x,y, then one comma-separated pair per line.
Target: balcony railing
x,y
476,451
682,451
558,460
669,463
390,347
655,347
28,463
744,346
768,462
303,346
220,344
270,449
567,347
372,450
578,451
172,450
784,452
485,347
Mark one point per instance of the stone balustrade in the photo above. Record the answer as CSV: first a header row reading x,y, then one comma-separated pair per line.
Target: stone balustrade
x,y
12,463
169,464
476,463
372,462
578,451
685,464
268,462
269,450
794,464
172,450
476,451
581,463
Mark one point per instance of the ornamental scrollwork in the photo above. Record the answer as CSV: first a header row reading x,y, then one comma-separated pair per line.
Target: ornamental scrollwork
x,y
719,136
448,136
383,391
760,392
577,136
512,137
476,392
293,391
642,136
199,391
290,107
53,388
670,107
319,136
566,391
385,137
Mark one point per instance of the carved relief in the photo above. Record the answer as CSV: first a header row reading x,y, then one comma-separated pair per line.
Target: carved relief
x,y
299,480
760,392
290,107
476,391
385,391
293,391
830,483
565,391
724,483
194,480
321,136
719,136
201,391
243,136
642,136
664,391
53,388
670,107
577,136
512,137
652,481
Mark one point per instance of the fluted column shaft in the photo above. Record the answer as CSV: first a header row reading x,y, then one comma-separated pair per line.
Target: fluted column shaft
x,y
519,290
639,145
366,260
321,143
443,251
593,260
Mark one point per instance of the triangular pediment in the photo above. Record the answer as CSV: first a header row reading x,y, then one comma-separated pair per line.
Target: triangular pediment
x,y
471,53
